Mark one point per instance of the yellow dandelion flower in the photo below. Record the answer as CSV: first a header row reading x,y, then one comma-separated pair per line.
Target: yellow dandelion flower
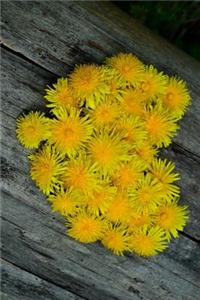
x,y
105,113
148,242
69,131
171,218
88,83
146,153
60,95
133,102
65,202
153,83
31,129
120,208
81,174
128,174
108,150
162,170
46,168
161,126
115,84
132,129
176,97
139,220
116,239
85,227
147,195
98,203
129,67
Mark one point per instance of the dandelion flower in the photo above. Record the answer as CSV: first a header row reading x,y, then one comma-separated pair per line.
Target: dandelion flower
x,y
153,83
148,242
146,153
129,67
161,127
98,203
46,168
85,227
128,174
139,220
147,195
163,172
119,208
108,150
69,131
171,218
105,113
176,97
133,102
88,83
116,239
115,84
65,202
60,95
80,174
32,129
132,129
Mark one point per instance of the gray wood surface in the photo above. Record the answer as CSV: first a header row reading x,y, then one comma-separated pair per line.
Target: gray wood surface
x,y
34,239
23,86
44,39
17,282
59,34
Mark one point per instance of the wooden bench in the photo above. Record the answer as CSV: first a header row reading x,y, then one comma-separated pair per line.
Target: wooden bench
x,y
42,40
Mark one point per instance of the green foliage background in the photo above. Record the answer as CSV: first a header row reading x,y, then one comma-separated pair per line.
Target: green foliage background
x,y
177,21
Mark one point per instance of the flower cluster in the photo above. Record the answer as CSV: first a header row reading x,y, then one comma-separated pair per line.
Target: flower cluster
x,y
96,155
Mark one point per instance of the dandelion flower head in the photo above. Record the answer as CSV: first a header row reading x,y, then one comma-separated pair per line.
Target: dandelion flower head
x,y
176,97
32,129
129,67
60,95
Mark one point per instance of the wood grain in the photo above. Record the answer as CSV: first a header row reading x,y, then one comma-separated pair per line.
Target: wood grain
x,y
34,238
59,34
23,88
90,270
19,284
43,40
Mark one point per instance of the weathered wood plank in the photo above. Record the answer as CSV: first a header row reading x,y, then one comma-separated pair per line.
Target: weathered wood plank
x,y
58,34
9,297
90,270
19,93
33,238
17,284
31,233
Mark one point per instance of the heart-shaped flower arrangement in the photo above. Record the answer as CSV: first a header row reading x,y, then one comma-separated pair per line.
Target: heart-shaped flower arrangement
x,y
96,157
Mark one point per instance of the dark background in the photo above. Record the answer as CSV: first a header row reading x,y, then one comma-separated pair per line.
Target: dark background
x,y
177,21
